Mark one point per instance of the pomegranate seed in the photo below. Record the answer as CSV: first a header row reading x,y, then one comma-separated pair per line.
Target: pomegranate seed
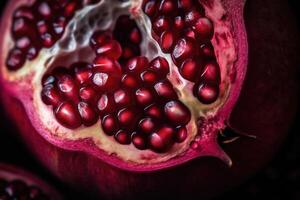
x,y
32,52
23,43
43,9
122,98
47,80
68,87
83,72
70,8
111,49
88,94
147,125
107,65
109,124
87,113
144,96
127,118
50,95
207,50
99,38
190,69
192,16
179,23
189,33
138,141
204,29
48,40
122,137
68,115
59,25
165,89
15,59
154,111
137,64
185,4
160,65
184,49
160,25
130,81
135,36
149,77
25,12
167,41
177,113
206,93
162,140
211,73
167,7
22,26
150,8
106,104
181,134
43,27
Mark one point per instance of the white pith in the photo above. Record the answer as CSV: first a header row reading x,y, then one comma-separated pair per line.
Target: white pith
x,y
71,48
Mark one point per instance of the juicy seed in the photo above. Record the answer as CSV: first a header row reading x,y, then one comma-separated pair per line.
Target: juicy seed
x,y
192,16
167,7
160,65
50,95
184,49
135,36
149,77
88,94
167,41
67,114
15,59
181,134
99,38
154,111
68,87
179,23
162,140
123,137
185,4
147,125
106,104
190,69
177,113
111,49
144,96
206,93
87,113
165,89
137,64
204,29
127,118
83,73
130,81
160,25
139,141
211,73
109,124
122,98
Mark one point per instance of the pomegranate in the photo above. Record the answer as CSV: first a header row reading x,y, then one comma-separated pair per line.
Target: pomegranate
x,y
120,93
16,183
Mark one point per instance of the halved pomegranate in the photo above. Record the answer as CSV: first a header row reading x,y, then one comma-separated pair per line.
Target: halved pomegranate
x,y
16,183
148,85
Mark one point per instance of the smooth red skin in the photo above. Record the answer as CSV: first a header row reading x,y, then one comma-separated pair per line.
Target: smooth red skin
x,y
266,108
6,169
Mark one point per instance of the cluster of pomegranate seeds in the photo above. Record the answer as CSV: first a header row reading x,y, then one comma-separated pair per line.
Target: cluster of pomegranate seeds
x,y
132,96
19,190
39,26
182,30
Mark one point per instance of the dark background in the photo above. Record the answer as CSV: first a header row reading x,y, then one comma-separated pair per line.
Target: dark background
x,y
280,179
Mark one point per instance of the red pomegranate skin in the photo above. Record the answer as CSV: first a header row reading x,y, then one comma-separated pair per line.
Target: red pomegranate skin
x,y
266,108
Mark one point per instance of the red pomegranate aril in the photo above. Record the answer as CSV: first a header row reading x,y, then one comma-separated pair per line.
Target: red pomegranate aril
x,y
167,7
15,59
87,113
179,23
177,113
135,36
23,43
211,73
106,81
181,134
48,40
107,65
204,29
123,137
190,69
192,16
21,27
207,50
43,27
184,49
46,80
106,104
185,4
138,141
25,12
162,140
88,94
147,125
51,95
206,93
127,118
137,64
83,73
111,49
161,24
59,25
32,52
109,124
68,87
154,111
144,96
67,115
99,38
130,81
122,98
167,41
165,89
71,7
160,65
43,9
190,33
150,7
149,77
